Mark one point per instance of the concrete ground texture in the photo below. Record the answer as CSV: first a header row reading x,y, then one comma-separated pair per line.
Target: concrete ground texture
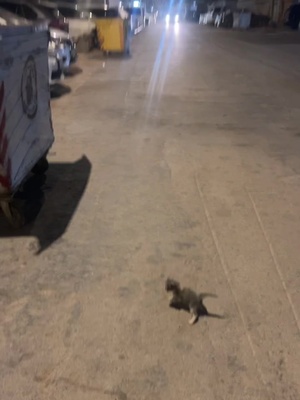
x,y
180,161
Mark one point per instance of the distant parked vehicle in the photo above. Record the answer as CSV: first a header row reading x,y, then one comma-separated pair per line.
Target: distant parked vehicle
x,y
259,21
80,23
55,68
224,19
292,16
54,56
201,12
60,43
202,18
59,39
36,13
211,15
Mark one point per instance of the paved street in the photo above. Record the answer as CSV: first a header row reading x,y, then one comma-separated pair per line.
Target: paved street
x,y
181,161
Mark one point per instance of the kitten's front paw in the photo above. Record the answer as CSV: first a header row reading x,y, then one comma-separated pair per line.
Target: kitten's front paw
x,y
193,320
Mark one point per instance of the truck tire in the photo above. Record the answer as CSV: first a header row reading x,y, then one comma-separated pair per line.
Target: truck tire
x,y
14,213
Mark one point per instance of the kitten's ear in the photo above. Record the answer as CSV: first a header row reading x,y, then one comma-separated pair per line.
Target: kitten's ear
x,y
172,285
175,284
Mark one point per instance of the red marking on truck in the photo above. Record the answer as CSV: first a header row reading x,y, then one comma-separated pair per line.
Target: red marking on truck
x,y
5,162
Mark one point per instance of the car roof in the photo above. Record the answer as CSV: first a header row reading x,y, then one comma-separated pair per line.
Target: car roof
x,y
42,3
15,1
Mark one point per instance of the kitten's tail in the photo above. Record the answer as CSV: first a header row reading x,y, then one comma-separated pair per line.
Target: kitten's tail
x,y
202,296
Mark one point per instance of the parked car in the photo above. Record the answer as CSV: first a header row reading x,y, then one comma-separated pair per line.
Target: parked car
x,y
80,23
60,39
202,18
259,21
55,68
61,43
211,15
224,19
292,16
36,13
201,11
54,57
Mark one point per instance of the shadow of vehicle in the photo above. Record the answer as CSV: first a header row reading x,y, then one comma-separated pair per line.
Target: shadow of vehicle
x,y
51,206
117,56
73,71
271,37
58,90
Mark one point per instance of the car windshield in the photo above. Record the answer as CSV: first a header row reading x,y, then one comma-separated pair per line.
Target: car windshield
x,y
7,14
7,18
69,12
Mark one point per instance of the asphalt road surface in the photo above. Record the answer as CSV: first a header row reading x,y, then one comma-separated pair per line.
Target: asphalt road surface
x,y
181,161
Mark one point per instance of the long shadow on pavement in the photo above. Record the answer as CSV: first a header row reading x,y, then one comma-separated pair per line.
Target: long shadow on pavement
x,y
59,90
63,190
97,55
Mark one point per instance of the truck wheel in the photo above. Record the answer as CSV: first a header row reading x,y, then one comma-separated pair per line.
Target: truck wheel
x,y
41,166
14,213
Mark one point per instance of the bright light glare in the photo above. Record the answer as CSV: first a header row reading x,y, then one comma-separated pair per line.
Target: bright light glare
x,y
176,29
167,18
176,18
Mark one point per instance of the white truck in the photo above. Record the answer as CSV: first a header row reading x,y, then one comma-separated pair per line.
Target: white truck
x,y
26,132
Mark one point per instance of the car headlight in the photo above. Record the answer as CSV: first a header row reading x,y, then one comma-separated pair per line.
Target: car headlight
x,y
53,45
167,18
176,18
